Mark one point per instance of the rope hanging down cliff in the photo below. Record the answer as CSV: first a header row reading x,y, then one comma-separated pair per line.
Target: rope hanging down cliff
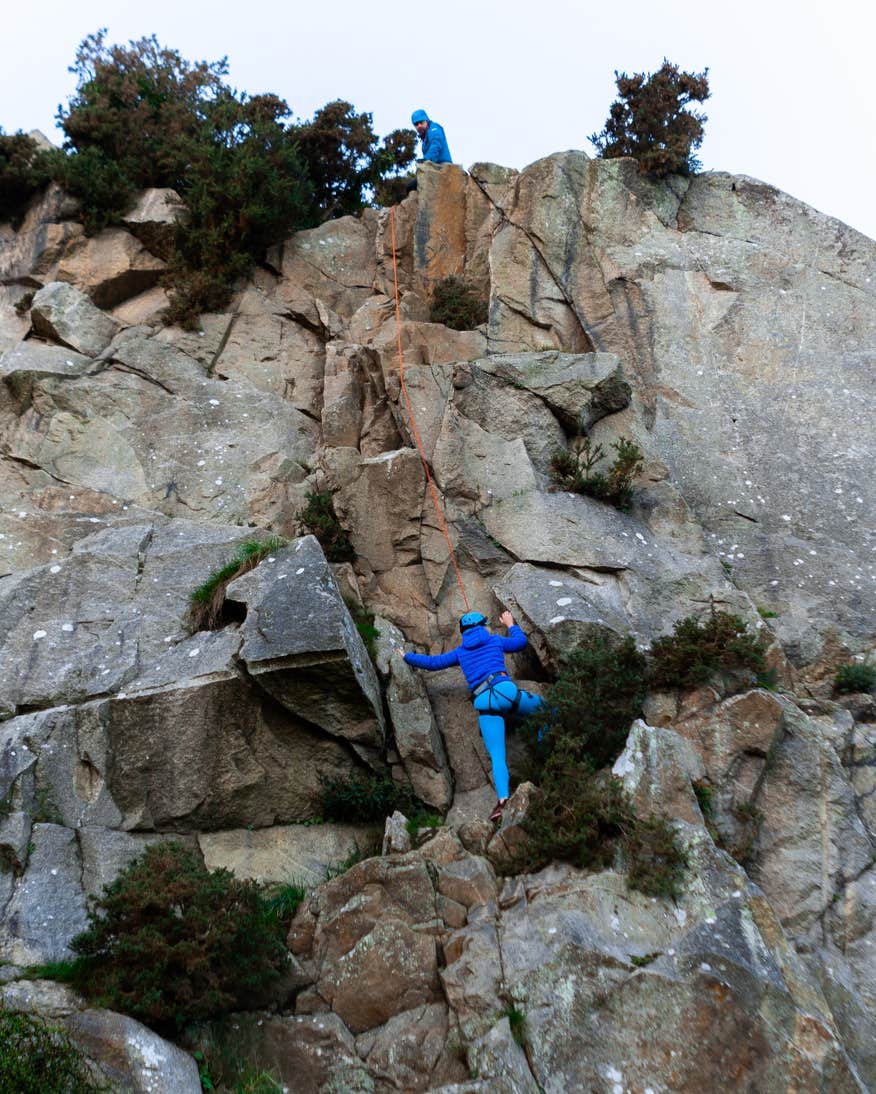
x,y
401,373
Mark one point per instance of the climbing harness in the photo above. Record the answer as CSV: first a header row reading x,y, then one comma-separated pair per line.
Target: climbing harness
x,y
401,372
490,685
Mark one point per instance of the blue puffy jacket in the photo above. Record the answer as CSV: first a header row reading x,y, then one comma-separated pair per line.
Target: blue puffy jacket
x,y
435,148
480,654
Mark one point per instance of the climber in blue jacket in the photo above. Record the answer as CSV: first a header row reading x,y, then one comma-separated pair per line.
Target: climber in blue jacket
x,y
431,135
495,696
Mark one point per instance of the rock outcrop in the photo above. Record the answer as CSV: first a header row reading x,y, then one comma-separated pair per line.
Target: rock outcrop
x,y
717,322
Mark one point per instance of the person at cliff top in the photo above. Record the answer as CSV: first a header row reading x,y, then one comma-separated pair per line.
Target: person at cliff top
x,y
431,135
495,696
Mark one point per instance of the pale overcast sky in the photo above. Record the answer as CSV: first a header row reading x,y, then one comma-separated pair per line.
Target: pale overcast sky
x,y
793,100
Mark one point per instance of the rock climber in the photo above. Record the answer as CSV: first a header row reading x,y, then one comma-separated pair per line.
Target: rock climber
x,y
434,142
431,135
495,696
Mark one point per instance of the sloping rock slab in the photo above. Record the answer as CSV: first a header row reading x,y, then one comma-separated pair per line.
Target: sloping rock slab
x,y
301,645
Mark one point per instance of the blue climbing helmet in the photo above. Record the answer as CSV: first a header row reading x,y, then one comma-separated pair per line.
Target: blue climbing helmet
x,y
471,619
419,116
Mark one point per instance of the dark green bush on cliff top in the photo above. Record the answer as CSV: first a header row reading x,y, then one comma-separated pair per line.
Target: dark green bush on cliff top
x,y
24,171
142,115
651,120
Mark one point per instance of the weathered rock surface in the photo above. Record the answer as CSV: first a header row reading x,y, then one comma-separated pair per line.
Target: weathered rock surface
x,y
61,313
153,218
128,1055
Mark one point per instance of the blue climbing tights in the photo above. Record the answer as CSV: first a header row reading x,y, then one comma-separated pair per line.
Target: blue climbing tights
x,y
492,706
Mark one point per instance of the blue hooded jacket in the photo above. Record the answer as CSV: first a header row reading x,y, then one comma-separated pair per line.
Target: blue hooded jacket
x,y
435,148
479,655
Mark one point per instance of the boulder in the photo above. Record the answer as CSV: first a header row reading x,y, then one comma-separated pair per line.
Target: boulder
x,y
127,1054
61,313
33,251
415,730
111,267
283,854
47,907
658,769
300,645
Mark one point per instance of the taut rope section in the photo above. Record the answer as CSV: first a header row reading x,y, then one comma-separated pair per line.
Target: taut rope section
x,y
401,373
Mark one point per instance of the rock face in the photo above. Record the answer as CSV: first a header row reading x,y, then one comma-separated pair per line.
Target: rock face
x,y
714,321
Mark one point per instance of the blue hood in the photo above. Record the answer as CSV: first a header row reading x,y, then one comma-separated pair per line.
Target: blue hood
x,y
474,637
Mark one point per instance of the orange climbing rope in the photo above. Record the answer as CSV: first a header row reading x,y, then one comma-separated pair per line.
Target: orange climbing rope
x,y
401,373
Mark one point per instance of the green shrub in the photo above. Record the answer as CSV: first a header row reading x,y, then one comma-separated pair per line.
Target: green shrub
x,y
345,162
364,798
573,470
36,1058
650,121
597,694
281,901
142,115
585,818
364,621
457,305
205,602
318,517
696,651
170,942
855,677
24,170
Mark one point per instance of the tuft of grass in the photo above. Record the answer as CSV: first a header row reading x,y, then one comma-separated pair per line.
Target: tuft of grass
x,y
574,469
364,621
318,517
64,972
644,959
422,820
282,900
517,1021
205,602
766,613
855,677
357,855
705,795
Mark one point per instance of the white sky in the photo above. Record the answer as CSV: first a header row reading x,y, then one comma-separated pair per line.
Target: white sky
x,y
793,94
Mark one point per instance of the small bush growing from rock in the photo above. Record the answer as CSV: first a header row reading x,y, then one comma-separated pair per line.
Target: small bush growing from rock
x,y
573,470
369,634
365,798
585,818
36,1058
170,942
24,170
695,651
457,305
855,677
205,603
282,901
598,693
650,121
318,517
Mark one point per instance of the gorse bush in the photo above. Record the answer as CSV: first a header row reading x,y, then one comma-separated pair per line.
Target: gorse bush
x,y
24,170
318,517
696,651
855,677
170,942
36,1058
206,602
651,120
597,694
573,470
142,115
586,819
364,798
457,305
